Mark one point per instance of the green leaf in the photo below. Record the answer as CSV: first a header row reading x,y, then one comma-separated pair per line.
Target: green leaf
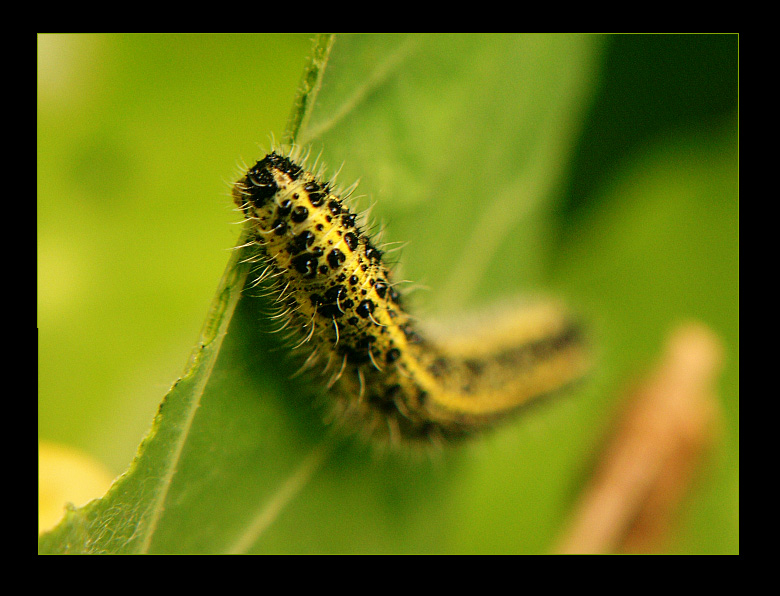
x,y
462,145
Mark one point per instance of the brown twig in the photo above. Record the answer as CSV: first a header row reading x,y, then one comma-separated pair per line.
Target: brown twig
x,y
655,452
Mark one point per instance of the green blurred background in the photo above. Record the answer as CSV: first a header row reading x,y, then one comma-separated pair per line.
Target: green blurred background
x,y
139,137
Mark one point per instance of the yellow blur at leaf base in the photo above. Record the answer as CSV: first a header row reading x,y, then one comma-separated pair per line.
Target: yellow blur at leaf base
x,y
66,475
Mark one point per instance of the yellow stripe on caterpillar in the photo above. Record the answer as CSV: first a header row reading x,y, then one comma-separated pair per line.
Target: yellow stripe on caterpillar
x,y
336,298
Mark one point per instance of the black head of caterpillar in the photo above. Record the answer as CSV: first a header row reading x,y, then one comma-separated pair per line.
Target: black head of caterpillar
x,y
337,298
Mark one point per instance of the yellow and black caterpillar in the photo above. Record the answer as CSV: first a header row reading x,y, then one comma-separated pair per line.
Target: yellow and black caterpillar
x,y
389,379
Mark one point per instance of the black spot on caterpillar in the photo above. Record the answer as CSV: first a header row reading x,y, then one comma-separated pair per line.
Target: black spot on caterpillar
x,y
388,379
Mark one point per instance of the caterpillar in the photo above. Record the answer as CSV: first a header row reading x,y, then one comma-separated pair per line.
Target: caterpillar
x,y
388,378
